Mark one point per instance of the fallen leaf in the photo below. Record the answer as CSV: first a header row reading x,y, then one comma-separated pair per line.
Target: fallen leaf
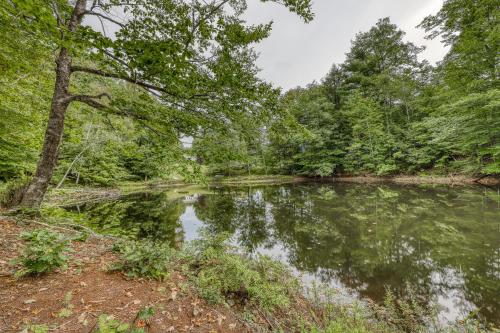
x,y
81,318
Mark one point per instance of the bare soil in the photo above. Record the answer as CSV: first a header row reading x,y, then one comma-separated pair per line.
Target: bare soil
x,y
87,290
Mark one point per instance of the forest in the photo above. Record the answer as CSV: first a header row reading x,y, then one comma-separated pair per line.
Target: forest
x,y
383,111
148,173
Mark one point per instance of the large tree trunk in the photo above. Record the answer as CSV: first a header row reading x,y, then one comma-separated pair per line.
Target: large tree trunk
x,y
35,191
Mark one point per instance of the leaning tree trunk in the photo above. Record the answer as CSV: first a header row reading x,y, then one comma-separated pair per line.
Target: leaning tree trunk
x,y
36,189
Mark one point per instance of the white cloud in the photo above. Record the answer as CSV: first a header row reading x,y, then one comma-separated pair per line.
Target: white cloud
x,y
298,53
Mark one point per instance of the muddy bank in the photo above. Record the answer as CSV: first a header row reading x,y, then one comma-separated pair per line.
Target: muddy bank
x,y
436,180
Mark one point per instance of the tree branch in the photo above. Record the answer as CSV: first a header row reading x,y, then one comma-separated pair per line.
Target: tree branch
x,y
90,100
196,24
88,12
120,77
55,10
148,86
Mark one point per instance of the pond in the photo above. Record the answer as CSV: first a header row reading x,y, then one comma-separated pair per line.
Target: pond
x,y
442,242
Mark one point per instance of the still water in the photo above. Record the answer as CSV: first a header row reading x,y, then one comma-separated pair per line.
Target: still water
x,y
444,242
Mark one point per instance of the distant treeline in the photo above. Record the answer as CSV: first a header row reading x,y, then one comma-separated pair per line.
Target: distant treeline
x,y
383,110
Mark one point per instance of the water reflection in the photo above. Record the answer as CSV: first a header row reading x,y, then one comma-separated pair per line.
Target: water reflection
x,y
444,242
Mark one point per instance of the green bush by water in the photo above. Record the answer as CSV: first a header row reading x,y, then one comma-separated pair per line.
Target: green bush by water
x,y
144,258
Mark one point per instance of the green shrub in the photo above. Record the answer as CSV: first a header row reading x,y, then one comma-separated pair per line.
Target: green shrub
x,y
339,326
224,275
108,324
11,192
44,252
36,329
144,258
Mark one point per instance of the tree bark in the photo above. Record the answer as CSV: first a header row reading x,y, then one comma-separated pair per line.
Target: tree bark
x,y
61,98
35,191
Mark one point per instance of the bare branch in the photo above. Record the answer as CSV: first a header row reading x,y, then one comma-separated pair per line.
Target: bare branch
x,y
88,12
55,9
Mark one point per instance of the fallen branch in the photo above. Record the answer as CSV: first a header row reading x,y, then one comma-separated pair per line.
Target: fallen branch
x,y
73,225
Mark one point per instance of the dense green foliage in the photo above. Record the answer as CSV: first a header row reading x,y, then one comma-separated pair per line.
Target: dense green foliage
x,y
170,69
144,259
222,275
383,111
44,252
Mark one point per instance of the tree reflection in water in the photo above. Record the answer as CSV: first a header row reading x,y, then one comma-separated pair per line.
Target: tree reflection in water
x,y
443,242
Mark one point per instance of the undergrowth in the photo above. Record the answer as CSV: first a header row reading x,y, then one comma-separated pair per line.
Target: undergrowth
x,y
221,275
44,252
260,287
263,291
11,192
108,324
144,258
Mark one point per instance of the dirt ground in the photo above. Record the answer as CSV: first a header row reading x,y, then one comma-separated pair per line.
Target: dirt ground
x,y
73,300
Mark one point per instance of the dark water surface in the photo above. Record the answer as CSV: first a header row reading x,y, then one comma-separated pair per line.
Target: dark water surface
x,y
444,242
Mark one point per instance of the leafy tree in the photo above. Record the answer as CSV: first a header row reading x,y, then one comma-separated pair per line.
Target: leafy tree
x,y
471,29
195,57
321,150
468,131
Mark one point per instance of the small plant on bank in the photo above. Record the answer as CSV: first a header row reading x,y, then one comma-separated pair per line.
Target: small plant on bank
x,y
223,276
44,252
144,258
108,324
36,329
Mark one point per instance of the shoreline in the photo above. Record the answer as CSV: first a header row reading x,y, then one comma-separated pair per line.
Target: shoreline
x,y
417,180
76,195
76,298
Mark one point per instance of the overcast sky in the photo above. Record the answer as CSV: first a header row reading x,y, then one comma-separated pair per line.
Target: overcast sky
x,y
297,53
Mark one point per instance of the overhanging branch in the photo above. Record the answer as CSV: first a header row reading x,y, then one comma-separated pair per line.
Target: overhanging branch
x,y
148,86
90,100
118,76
